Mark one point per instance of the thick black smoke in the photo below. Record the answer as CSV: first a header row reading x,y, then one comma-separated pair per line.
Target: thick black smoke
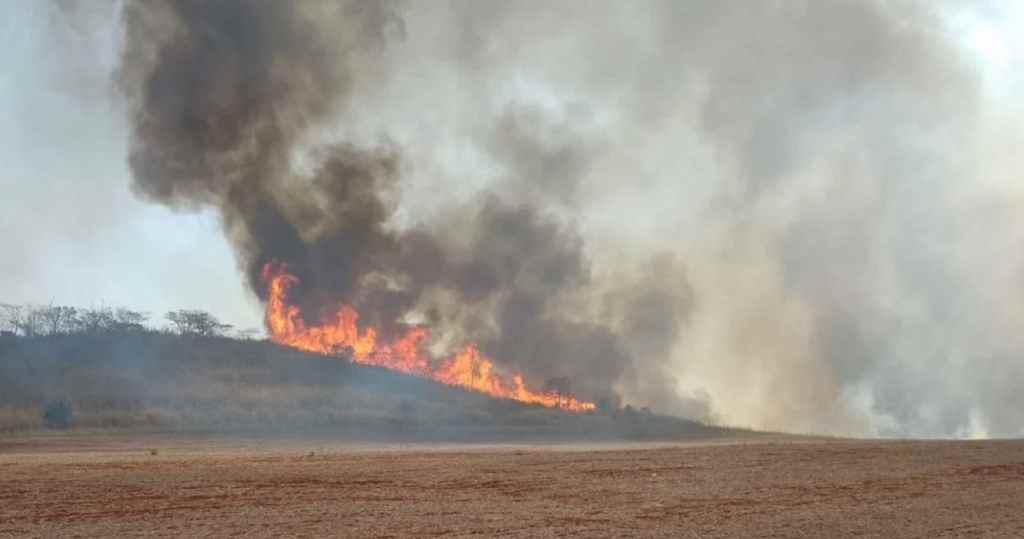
x,y
222,95
227,99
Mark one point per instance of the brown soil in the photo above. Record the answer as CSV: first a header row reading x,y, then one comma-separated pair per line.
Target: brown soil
x,y
115,487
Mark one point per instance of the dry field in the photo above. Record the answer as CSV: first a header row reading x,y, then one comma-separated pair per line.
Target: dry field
x,y
160,486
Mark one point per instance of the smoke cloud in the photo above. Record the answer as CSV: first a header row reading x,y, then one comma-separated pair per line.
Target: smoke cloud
x,y
226,101
782,215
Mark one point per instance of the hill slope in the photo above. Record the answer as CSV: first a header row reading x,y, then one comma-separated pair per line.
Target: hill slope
x,y
160,381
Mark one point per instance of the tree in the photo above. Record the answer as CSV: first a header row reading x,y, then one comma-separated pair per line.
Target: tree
x,y
95,321
129,321
32,320
23,319
196,322
107,320
8,316
57,319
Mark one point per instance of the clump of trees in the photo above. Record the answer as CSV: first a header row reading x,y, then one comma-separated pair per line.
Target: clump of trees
x,y
193,322
44,320
41,320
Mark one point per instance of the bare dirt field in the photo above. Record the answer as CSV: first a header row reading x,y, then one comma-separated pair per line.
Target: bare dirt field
x,y
104,486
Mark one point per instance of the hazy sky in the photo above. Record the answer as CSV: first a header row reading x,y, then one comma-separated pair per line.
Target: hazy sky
x,y
71,232
831,295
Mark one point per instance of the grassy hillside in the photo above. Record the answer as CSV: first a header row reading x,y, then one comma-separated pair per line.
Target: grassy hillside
x,y
158,381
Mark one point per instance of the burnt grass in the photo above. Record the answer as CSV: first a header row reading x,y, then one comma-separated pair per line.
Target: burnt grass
x,y
160,382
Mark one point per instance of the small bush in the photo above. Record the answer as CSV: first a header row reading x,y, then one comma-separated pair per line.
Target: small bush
x,y
58,414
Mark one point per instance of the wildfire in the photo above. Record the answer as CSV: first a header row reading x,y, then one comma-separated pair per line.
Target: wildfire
x,y
341,332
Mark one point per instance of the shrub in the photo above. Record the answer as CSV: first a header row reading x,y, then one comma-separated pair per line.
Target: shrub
x,y
58,414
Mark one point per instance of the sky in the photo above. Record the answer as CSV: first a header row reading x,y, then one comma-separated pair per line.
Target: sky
x,y
930,353
72,231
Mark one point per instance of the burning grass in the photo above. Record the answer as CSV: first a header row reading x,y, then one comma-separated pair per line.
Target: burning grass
x,y
341,334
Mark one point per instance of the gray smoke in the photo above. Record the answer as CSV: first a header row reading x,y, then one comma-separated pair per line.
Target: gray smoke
x,y
226,102
789,215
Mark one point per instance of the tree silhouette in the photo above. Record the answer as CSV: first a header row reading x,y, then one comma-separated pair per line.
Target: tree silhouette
x,y
196,322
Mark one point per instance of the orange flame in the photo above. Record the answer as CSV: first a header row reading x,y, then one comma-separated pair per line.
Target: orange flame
x,y
340,332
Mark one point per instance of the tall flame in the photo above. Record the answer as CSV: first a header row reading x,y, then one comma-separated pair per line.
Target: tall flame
x,y
340,332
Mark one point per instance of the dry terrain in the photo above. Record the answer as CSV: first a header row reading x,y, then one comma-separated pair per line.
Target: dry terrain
x,y
156,485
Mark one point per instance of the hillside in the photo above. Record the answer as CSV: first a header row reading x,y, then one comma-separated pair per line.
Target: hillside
x,y
157,381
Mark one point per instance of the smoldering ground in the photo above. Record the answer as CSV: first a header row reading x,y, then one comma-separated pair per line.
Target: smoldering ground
x,y
790,216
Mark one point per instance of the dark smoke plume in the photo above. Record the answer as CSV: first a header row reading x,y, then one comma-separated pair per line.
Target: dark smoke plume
x,y
226,102
223,94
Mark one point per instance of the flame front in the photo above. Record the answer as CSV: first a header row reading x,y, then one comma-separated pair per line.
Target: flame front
x,y
340,332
